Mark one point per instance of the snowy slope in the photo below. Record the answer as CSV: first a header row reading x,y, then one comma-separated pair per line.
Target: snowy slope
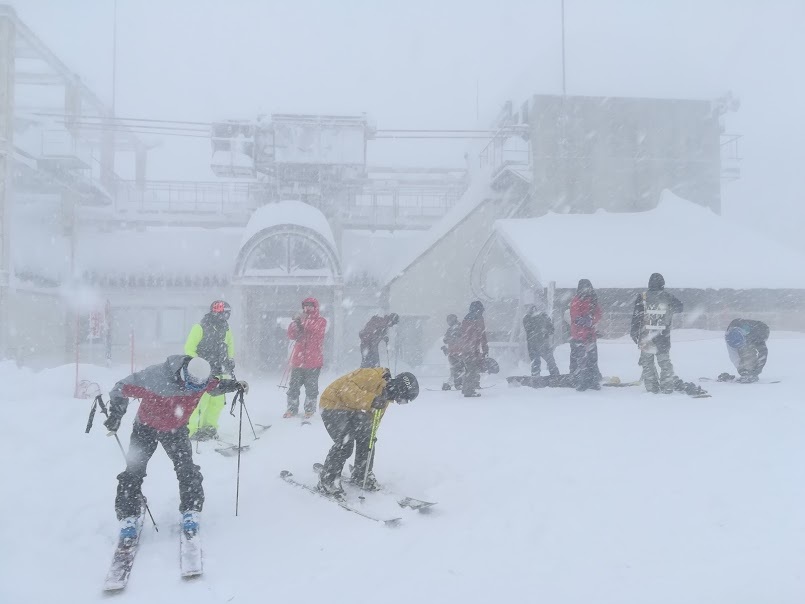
x,y
553,496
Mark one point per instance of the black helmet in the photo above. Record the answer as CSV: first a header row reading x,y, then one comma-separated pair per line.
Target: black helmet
x,y
404,387
452,320
393,318
221,308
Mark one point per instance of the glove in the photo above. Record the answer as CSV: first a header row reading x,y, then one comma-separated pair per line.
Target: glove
x,y
379,403
386,339
229,366
584,321
113,423
243,386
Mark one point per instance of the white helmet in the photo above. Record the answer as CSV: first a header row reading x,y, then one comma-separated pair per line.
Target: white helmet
x,y
197,373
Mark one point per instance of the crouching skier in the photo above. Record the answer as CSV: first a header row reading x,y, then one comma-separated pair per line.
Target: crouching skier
x,y
351,407
746,344
169,392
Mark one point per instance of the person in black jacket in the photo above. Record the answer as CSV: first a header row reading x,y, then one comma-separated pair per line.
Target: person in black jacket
x,y
746,344
538,329
651,331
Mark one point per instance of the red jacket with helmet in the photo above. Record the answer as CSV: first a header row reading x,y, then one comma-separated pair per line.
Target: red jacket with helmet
x,y
584,317
308,349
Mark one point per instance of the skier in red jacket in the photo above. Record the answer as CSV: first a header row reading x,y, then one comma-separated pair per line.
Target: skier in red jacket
x,y
585,313
307,357
472,348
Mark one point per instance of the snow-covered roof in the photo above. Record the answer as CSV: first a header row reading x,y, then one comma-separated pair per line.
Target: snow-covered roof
x,y
479,190
288,213
689,244
364,253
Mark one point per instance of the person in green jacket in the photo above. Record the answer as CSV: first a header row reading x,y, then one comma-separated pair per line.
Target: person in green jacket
x,y
211,339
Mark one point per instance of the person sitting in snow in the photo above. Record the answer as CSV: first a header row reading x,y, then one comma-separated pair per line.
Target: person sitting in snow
x,y
585,313
746,344
375,331
539,331
169,393
651,331
348,408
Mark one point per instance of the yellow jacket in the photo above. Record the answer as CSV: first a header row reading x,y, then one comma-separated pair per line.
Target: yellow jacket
x,y
356,390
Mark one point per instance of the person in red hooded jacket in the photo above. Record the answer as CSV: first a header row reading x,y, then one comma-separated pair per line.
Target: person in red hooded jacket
x,y
585,313
472,348
307,358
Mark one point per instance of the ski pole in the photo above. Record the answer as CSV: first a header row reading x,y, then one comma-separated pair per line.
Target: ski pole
x,y
372,438
239,395
243,406
287,371
388,361
98,402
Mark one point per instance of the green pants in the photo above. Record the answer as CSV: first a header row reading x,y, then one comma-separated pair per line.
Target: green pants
x,y
206,413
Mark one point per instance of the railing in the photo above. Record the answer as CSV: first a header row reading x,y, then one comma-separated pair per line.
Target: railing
x,y
180,197
400,207
730,157
507,148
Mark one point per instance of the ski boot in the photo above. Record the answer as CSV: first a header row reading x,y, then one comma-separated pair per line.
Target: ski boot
x,y
371,481
445,386
290,413
747,379
129,529
190,521
330,488
205,433
308,415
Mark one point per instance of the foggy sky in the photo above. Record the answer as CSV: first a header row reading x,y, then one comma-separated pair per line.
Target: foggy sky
x,y
416,64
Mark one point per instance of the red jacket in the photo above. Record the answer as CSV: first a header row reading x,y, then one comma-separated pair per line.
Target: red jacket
x,y
584,317
308,349
472,339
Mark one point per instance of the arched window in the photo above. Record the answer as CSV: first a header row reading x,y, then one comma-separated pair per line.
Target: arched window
x,y
289,253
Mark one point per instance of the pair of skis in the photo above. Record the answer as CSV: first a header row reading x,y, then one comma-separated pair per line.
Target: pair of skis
x,y
344,502
190,558
228,449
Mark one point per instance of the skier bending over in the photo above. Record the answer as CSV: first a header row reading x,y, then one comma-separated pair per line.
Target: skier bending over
x,y
170,392
651,331
348,406
746,344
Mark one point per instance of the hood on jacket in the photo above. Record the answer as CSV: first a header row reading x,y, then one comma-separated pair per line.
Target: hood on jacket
x,y
175,363
656,282
314,302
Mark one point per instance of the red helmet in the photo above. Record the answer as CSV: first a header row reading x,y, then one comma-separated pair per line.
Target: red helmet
x,y
221,307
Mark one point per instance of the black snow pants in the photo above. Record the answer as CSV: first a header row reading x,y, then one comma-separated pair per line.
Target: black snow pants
x,y
349,430
309,378
584,364
370,355
142,445
538,351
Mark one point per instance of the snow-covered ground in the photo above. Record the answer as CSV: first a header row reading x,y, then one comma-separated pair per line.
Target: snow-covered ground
x,y
608,497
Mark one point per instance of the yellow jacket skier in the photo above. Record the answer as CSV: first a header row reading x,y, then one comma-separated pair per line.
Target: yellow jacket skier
x,y
211,339
348,406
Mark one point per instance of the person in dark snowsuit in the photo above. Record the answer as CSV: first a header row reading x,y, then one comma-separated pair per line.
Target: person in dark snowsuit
x,y
375,331
585,313
538,329
169,393
451,338
651,331
211,339
746,344
307,357
472,348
